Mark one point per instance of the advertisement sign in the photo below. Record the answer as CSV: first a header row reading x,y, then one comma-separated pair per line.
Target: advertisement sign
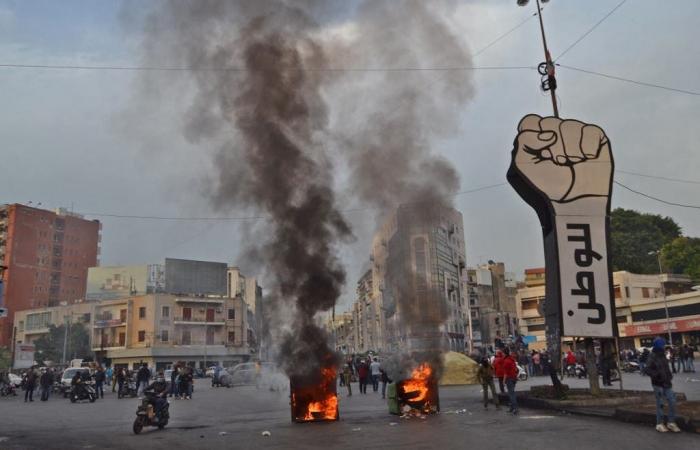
x,y
661,328
564,170
24,356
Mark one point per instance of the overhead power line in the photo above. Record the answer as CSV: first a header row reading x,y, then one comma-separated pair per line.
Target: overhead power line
x,y
498,39
651,197
590,30
240,69
656,177
628,80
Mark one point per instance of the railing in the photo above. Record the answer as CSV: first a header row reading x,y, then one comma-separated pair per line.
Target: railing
x,y
196,343
202,320
108,345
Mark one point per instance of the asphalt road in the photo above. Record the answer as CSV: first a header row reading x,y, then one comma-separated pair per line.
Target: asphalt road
x,y
235,418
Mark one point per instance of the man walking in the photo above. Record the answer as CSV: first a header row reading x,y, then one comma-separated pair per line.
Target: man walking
x,y
374,369
485,377
142,378
498,369
347,376
660,373
46,381
510,375
119,379
30,384
99,382
362,374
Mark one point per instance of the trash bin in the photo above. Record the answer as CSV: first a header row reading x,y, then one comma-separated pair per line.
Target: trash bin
x,y
392,399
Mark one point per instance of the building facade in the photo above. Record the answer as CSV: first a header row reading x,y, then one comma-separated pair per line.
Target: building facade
x,y
111,282
47,255
640,308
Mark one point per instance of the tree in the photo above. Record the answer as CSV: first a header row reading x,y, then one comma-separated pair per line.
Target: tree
x,y
49,347
634,235
5,361
682,255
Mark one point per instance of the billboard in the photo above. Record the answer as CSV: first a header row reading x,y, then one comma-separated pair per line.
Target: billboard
x,y
24,356
185,276
564,170
112,282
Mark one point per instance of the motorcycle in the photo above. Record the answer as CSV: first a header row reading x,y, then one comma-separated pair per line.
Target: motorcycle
x,y
522,373
83,391
7,389
146,415
128,389
580,371
630,366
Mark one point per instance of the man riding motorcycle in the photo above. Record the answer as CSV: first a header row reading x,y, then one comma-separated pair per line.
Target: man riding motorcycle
x,y
77,383
156,393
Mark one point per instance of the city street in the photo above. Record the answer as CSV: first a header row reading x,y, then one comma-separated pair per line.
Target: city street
x,y
237,417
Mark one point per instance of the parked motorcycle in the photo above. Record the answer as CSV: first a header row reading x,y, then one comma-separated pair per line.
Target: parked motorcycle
x,y
83,391
7,389
630,366
522,373
128,389
146,415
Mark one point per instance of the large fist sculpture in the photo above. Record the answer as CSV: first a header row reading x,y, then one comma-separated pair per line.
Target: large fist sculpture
x,y
563,160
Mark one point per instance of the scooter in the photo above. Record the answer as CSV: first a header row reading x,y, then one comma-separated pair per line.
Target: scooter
x,y
146,415
83,391
522,373
128,389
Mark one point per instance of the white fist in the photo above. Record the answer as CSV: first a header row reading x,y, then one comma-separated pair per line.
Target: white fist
x,y
565,160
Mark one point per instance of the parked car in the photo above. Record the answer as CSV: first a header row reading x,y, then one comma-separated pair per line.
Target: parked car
x,y
246,374
68,375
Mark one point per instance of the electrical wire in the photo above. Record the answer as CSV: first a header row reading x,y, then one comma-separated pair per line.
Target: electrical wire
x,y
656,198
577,41
656,177
495,41
628,80
239,69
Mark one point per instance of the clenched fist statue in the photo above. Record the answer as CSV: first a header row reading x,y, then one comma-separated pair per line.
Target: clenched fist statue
x,y
564,170
563,160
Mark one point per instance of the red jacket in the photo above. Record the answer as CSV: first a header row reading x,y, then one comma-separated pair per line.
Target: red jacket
x,y
498,364
510,370
570,358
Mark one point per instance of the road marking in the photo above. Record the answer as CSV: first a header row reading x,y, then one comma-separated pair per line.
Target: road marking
x,y
537,417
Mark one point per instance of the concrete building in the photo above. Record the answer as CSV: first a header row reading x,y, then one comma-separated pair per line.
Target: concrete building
x,y
47,254
368,318
639,305
491,292
417,274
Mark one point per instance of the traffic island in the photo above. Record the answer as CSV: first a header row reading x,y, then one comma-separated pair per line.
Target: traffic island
x,y
626,405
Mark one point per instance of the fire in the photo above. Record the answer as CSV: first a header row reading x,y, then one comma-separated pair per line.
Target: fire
x,y
318,402
419,382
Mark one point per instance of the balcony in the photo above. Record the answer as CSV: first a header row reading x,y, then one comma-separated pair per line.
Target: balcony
x,y
200,300
197,343
108,323
107,346
198,321
36,330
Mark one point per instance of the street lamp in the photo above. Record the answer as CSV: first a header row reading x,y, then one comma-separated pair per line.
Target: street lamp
x,y
546,68
663,292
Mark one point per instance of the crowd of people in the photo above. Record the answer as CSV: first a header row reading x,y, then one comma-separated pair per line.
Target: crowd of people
x,y
366,371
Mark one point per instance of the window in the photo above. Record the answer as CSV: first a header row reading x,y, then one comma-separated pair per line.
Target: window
x,y
164,335
231,314
627,291
38,321
142,312
122,315
122,339
529,304
645,292
142,336
618,292
186,313
186,337
532,328
231,337
21,325
165,311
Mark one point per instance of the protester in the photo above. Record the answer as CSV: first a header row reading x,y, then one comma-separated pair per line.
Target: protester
x,y
347,376
142,378
46,381
660,373
108,376
485,377
362,374
30,384
643,358
510,376
119,379
691,358
498,369
537,368
99,381
376,374
385,379
174,382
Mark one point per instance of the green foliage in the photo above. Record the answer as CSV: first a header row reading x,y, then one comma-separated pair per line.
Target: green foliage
x,y
682,255
49,347
5,355
634,235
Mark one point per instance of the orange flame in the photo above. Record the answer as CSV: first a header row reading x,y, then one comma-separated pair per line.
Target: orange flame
x,y
326,405
418,383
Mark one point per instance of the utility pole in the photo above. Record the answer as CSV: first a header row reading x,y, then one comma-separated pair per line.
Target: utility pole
x,y
663,292
548,69
66,321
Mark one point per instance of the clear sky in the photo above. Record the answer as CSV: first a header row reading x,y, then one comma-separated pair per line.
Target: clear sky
x,y
66,137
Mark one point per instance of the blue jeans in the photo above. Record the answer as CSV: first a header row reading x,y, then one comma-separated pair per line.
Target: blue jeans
x,y
660,393
510,385
375,383
691,365
99,391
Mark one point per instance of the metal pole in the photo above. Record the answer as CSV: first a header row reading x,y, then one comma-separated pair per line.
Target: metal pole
x,y
548,60
65,338
663,292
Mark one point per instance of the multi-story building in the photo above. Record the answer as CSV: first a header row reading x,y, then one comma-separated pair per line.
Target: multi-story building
x,y
419,263
368,318
111,282
493,310
640,306
47,255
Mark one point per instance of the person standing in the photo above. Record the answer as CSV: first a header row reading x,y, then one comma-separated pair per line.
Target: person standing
x,y
109,373
174,391
691,358
362,374
142,378
498,369
660,374
347,376
510,376
46,381
99,382
485,377
376,373
30,384
385,379
643,358
537,370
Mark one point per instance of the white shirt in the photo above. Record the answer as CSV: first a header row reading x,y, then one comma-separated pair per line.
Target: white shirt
x,y
374,368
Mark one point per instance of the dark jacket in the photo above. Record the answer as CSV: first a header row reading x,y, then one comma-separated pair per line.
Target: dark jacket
x,y
100,376
658,370
143,374
485,374
46,379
